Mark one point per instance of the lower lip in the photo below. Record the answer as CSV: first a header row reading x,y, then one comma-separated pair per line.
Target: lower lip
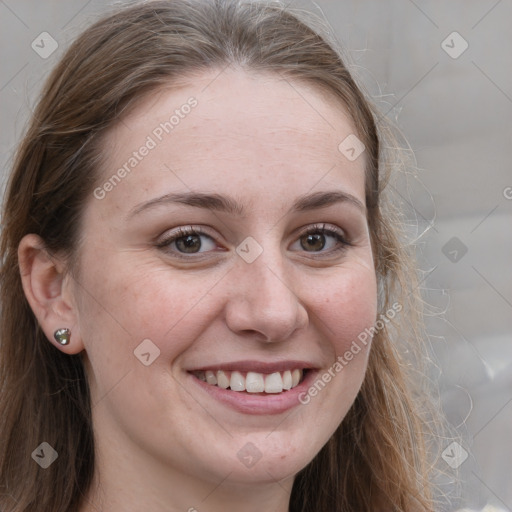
x,y
249,403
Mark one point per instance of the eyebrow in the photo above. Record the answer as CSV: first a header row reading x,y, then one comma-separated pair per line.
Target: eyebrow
x,y
229,205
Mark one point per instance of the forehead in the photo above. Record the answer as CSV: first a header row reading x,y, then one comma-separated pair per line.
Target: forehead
x,y
229,129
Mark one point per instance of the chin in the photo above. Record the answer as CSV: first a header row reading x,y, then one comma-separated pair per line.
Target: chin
x,y
268,458
266,471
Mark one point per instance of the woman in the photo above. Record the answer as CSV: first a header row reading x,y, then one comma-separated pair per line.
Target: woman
x,y
201,278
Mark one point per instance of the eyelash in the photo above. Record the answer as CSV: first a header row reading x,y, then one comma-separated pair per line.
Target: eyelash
x,y
182,232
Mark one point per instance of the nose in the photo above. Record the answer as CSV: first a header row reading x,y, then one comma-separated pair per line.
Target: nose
x,y
265,305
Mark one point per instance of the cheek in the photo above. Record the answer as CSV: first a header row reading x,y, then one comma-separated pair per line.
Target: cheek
x,y
347,306
345,310
127,303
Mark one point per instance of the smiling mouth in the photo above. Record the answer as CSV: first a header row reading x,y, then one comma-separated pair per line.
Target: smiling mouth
x,y
253,382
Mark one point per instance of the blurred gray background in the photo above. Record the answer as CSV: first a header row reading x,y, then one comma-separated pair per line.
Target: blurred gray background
x,y
442,70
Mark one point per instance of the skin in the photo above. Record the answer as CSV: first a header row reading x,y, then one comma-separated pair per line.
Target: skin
x,y
162,443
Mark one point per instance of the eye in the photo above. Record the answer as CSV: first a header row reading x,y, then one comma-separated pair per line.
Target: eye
x,y
320,238
187,240
191,240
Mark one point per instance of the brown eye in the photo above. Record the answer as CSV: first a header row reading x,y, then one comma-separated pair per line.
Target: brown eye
x,y
188,243
321,239
313,242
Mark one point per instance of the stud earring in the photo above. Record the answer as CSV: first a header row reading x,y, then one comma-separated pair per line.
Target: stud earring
x,y
62,336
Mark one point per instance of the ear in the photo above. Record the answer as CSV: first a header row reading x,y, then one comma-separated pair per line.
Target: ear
x,y
49,291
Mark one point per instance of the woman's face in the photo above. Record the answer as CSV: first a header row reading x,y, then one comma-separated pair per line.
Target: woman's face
x,y
248,168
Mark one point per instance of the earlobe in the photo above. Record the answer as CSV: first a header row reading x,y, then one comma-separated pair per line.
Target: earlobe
x,y
47,289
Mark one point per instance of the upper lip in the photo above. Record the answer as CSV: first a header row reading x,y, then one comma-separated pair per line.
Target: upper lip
x,y
255,366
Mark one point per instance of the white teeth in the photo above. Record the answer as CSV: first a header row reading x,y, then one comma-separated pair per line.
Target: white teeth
x,y
210,377
222,380
287,380
273,383
296,376
237,382
254,383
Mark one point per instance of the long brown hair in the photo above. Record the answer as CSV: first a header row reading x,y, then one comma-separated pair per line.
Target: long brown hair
x,y
377,458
